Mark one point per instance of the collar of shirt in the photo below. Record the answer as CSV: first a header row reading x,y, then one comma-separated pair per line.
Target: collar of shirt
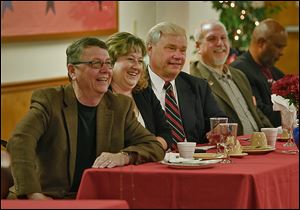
x,y
225,72
157,82
158,87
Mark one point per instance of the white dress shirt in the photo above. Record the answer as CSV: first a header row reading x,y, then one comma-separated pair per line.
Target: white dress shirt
x,y
157,84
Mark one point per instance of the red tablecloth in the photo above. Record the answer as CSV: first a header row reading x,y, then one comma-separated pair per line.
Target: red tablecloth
x,y
64,204
255,181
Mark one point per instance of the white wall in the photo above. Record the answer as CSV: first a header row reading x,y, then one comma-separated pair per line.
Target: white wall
x,y
137,17
198,12
28,61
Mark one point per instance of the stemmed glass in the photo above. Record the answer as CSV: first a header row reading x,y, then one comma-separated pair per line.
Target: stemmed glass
x,y
290,141
227,130
287,123
214,135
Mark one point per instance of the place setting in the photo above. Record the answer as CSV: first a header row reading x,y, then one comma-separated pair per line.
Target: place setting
x,y
234,150
224,135
185,158
262,142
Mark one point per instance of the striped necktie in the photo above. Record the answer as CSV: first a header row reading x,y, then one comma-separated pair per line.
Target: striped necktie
x,y
173,115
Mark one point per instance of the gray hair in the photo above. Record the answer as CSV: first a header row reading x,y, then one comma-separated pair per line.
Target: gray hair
x,y
159,29
200,32
75,50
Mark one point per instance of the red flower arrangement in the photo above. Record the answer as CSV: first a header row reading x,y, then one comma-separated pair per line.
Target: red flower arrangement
x,y
288,88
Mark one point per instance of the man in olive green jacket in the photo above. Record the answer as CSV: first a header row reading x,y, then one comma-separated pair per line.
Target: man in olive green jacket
x,y
230,86
77,126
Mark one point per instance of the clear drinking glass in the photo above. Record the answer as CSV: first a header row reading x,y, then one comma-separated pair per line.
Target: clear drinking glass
x,y
287,123
227,130
215,135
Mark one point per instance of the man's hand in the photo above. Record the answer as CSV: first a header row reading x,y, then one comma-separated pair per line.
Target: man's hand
x,y
110,160
162,141
38,196
213,136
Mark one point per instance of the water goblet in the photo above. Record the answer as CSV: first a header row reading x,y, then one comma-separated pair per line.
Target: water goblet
x,y
227,130
287,123
215,136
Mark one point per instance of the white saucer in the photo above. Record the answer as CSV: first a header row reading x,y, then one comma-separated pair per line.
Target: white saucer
x,y
199,165
184,160
258,150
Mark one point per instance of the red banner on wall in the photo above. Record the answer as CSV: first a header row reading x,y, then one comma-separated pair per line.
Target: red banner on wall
x,y
46,19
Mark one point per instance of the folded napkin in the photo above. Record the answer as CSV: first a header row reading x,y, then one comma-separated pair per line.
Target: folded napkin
x,y
170,156
288,112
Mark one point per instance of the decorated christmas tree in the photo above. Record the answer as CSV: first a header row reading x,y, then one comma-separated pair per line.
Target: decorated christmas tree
x,y
240,18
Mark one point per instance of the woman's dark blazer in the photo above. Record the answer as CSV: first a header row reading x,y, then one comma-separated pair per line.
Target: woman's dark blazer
x,y
153,114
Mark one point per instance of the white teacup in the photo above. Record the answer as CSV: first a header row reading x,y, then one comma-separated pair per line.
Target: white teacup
x,y
186,149
258,139
271,134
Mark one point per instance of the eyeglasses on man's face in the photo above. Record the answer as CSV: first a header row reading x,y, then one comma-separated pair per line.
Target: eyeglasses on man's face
x,y
96,64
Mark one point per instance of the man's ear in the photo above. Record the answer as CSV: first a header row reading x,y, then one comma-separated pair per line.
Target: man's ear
x,y
71,71
197,46
261,41
149,47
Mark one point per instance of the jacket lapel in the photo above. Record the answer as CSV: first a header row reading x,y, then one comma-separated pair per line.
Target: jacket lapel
x,y
104,125
185,99
71,119
242,87
214,85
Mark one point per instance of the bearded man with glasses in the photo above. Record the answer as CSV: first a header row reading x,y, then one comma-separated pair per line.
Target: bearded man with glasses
x,y
73,127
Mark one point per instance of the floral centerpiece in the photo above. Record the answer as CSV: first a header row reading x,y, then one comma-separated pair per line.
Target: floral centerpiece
x,y
288,88
285,99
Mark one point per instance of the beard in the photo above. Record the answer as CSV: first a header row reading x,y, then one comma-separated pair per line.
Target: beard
x,y
267,61
219,61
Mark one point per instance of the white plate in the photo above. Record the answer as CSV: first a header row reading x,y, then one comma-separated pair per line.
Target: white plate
x,y
259,150
206,147
183,160
239,155
198,165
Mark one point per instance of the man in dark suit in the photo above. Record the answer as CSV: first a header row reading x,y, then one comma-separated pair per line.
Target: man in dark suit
x,y
166,46
268,40
77,126
229,85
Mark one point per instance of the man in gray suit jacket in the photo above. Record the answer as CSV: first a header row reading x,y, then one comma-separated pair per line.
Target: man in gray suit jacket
x,y
230,86
77,126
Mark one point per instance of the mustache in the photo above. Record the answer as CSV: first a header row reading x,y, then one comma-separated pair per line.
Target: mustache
x,y
220,49
177,61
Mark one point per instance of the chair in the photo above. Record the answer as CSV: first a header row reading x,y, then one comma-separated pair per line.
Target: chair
x,y
3,143
6,177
